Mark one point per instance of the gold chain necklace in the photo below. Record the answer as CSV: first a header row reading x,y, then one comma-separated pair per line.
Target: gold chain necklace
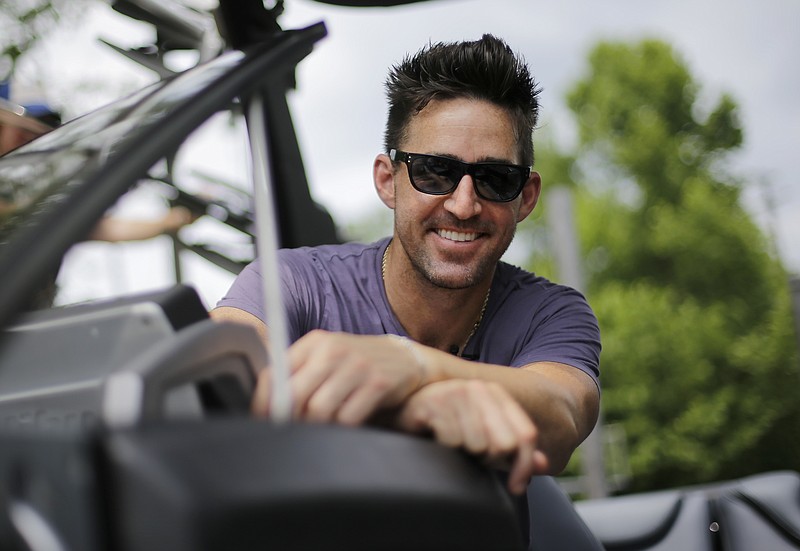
x,y
457,351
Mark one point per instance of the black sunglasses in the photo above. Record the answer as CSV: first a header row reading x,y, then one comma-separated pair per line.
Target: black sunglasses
x,y
436,175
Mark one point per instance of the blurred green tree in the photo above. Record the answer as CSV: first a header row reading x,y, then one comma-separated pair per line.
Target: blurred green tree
x,y
699,363
25,22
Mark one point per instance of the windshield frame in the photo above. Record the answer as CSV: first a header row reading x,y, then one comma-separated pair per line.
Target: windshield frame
x,y
28,258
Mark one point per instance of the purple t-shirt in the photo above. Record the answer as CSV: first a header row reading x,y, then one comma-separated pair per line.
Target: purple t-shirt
x,y
340,288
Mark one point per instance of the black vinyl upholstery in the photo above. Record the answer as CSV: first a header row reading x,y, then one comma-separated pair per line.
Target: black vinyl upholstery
x,y
761,512
250,485
658,521
753,513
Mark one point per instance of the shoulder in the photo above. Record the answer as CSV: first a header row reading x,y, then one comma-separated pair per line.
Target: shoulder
x,y
539,320
343,266
512,282
533,306
338,253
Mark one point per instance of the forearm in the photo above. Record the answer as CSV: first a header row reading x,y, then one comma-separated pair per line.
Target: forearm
x,y
562,401
114,230
348,378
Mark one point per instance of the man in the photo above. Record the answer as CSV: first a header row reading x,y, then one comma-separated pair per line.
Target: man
x,y
493,359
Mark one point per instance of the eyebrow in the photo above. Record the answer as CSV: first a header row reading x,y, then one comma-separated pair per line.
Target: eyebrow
x,y
498,160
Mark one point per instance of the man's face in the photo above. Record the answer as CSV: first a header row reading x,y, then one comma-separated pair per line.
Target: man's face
x,y
455,240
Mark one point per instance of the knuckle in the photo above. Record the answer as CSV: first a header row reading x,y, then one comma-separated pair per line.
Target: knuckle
x,y
506,446
360,364
317,411
527,437
476,447
348,419
379,384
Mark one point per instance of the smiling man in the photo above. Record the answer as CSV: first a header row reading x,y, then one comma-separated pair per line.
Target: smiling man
x,y
429,328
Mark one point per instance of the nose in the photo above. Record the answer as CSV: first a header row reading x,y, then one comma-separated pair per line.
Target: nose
x,y
464,203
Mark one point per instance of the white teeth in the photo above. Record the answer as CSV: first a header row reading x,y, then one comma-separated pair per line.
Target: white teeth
x,y
457,236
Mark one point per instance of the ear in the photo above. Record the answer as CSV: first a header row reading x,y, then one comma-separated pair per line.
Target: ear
x,y
383,177
530,196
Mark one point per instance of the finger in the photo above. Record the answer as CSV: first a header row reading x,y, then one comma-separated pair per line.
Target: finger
x,y
307,345
522,469
306,379
527,460
362,403
472,413
333,393
527,463
415,416
445,427
260,402
502,435
518,419
314,359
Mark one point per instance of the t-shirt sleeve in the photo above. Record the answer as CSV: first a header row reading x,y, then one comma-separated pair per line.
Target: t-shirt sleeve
x,y
245,292
564,330
300,288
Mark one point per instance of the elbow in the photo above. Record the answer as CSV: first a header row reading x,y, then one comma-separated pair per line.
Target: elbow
x,y
560,451
575,426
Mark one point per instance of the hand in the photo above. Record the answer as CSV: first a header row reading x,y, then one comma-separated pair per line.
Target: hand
x,y
176,218
482,418
345,378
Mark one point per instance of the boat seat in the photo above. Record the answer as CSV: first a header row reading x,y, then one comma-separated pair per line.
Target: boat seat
x,y
657,521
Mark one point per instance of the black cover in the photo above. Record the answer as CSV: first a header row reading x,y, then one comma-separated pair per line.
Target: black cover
x,y
178,361
757,512
369,3
180,304
249,485
657,521
761,512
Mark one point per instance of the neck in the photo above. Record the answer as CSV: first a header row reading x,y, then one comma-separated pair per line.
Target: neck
x,y
435,316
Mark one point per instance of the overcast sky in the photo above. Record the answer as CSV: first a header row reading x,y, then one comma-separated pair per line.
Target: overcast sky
x,y
745,48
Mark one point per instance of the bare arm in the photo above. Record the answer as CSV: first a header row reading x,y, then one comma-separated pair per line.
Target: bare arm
x,y
114,230
235,315
562,401
533,418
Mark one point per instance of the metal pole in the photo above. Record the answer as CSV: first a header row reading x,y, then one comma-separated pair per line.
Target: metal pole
x,y
561,222
794,288
267,246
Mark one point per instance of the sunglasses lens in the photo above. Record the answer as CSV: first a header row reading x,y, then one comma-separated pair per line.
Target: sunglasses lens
x,y
440,175
435,175
498,182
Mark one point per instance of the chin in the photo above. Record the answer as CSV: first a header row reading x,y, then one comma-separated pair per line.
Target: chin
x,y
450,280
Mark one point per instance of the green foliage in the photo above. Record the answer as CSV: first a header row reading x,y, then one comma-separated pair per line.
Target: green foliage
x,y
699,361
695,399
26,22
636,110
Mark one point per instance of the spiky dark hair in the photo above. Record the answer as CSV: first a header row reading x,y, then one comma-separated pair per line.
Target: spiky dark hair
x,y
485,69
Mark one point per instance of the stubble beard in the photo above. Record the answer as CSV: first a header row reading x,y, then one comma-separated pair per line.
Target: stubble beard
x,y
449,275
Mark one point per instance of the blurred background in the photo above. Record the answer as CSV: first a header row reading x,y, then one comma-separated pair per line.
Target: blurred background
x,y
667,143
